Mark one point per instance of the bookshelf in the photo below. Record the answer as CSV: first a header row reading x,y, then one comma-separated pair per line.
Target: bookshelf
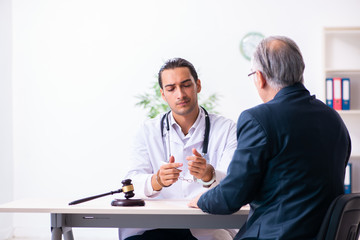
x,y
342,59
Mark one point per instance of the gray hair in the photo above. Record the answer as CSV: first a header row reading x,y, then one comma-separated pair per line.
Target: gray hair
x,y
279,59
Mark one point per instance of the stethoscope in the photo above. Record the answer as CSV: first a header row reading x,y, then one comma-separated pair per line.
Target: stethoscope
x,y
206,135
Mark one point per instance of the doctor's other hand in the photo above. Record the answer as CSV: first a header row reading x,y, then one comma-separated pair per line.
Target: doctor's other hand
x,y
193,202
198,167
167,175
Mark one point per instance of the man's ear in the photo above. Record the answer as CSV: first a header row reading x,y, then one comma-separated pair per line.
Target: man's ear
x,y
261,79
198,85
162,94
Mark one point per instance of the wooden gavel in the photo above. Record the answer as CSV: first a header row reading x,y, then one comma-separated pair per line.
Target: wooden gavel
x,y
127,189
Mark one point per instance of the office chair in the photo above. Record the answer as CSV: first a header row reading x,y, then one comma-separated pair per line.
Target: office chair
x,y
342,220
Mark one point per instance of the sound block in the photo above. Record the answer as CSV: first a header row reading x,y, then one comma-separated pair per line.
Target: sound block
x,y
127,202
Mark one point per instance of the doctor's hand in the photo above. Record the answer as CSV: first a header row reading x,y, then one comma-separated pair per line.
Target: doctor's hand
x,y
198,166
167,175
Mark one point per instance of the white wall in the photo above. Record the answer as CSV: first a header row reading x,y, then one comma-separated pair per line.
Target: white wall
x,y
6,159
78,65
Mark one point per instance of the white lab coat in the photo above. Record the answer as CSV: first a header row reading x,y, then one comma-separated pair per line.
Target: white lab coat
x,y
151,151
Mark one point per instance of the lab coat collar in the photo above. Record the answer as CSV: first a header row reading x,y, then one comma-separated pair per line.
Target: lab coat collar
x,y
196,131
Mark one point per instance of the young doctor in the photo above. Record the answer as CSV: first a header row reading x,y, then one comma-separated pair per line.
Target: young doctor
x,y
181,153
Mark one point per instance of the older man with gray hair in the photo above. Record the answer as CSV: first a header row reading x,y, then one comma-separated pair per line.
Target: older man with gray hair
x,y
291,154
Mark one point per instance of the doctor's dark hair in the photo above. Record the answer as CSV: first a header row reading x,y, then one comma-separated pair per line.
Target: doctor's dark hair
x,y
279,59
176,63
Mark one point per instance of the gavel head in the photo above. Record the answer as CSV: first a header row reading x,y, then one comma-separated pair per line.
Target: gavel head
x,y
128,188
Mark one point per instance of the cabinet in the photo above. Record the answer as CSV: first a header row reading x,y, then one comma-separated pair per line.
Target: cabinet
x,y
342,59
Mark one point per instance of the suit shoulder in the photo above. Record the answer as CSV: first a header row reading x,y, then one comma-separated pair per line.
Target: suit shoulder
x,y
256,112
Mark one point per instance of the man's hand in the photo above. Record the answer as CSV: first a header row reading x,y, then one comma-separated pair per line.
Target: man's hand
x,y
167,175
193,202
198,166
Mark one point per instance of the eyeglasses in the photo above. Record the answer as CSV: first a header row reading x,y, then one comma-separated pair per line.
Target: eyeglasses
x,y
251,73
186,179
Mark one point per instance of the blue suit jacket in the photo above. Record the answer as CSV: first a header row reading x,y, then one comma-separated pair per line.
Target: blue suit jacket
x,y
289,165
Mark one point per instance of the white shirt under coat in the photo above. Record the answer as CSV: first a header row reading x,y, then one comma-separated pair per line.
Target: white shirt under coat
x,y
151,150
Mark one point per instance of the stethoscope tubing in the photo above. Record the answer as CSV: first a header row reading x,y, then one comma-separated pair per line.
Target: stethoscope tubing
x,y
206,134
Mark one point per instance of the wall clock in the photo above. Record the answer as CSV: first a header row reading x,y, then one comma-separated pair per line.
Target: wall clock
x,y
249,43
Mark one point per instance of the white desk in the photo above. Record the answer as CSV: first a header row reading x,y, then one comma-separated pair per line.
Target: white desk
x,y
155,214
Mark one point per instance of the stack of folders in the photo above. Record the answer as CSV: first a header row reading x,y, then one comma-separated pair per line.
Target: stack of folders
x,y
338,93
347,180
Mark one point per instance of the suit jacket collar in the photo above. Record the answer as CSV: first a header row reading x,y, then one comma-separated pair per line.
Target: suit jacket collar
x,y
291,89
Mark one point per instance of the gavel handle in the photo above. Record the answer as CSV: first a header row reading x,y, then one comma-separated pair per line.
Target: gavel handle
x,y
94,197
